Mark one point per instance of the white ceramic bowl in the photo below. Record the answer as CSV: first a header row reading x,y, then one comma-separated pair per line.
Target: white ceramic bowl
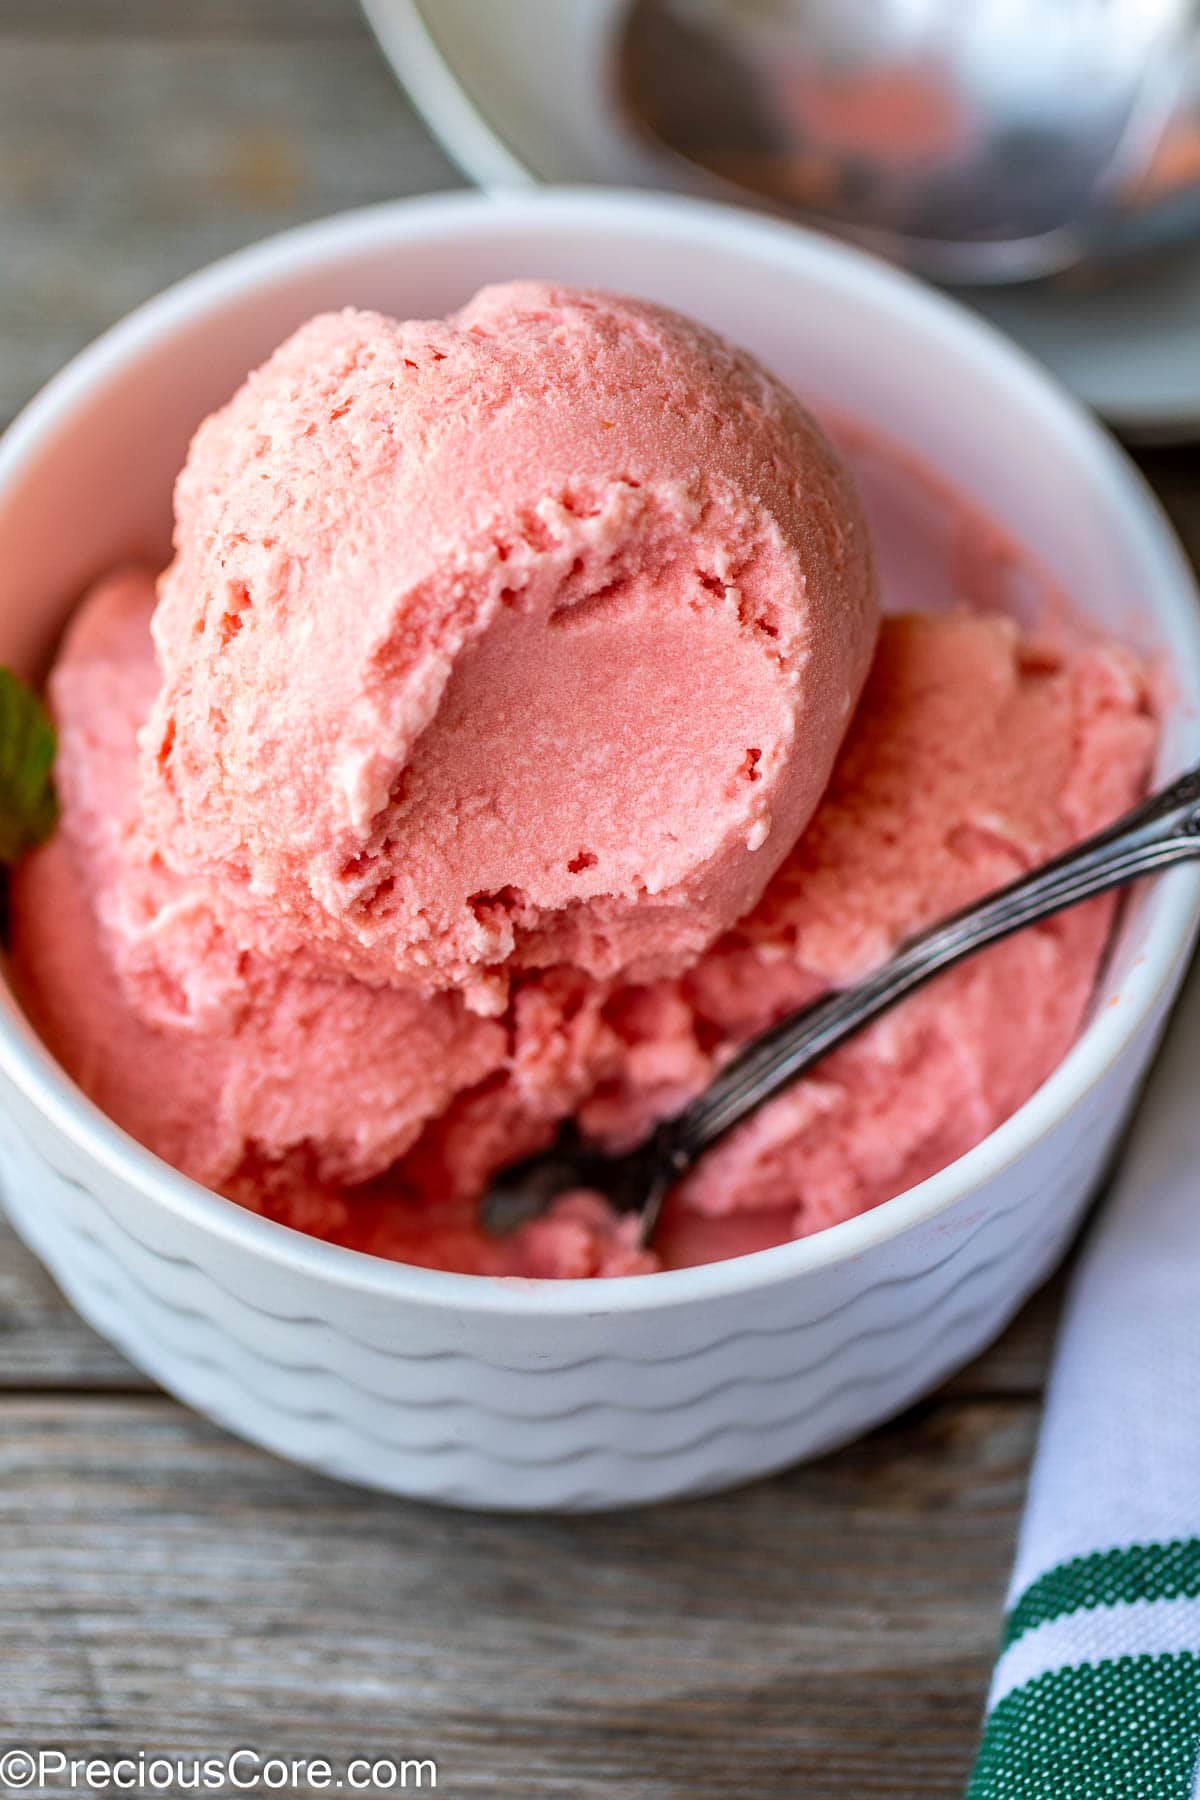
x,y
526,1394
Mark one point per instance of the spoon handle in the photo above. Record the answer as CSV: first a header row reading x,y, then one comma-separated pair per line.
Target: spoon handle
x,y
1164,829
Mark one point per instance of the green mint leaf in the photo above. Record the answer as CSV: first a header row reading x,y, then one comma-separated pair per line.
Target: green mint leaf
x,y
28,807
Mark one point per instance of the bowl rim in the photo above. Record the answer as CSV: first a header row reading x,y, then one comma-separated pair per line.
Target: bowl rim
x,y
28,1065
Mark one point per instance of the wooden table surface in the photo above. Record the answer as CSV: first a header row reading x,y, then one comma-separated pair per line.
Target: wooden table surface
x,y
825,1634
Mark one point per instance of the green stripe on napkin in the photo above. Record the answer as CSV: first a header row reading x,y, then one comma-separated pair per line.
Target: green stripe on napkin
x,y
1121,1730
1142,1572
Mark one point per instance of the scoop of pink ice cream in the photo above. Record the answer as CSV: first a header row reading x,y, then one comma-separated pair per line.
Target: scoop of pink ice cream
x,y
245,1073
375,1117
523,637
975,754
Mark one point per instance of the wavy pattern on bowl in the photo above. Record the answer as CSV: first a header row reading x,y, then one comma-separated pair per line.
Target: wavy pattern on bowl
x,y
446,1426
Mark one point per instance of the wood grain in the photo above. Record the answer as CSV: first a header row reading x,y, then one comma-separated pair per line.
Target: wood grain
x,y
181,22
126,162
823,1634
826,1634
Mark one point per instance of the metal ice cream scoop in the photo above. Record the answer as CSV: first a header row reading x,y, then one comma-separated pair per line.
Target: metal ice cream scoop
x,y
1164,829
975,140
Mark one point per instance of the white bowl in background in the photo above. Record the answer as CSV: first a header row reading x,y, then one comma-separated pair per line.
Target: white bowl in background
x,y
574,1394
524,91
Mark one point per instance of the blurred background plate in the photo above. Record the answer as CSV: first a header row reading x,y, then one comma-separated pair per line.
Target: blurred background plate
x,y
522,91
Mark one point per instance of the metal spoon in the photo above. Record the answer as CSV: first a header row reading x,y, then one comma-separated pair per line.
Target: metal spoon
x,y
1164,829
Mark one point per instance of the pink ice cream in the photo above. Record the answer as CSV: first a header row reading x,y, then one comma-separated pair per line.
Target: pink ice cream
x,y
242,1072
975,754
491,758
375,1117
520,638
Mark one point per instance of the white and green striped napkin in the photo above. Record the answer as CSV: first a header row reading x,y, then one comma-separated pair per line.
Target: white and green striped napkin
x,y
1096,1694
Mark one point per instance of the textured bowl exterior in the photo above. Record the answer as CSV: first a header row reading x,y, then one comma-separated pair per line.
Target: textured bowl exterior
x,y
587,1410
584,1395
